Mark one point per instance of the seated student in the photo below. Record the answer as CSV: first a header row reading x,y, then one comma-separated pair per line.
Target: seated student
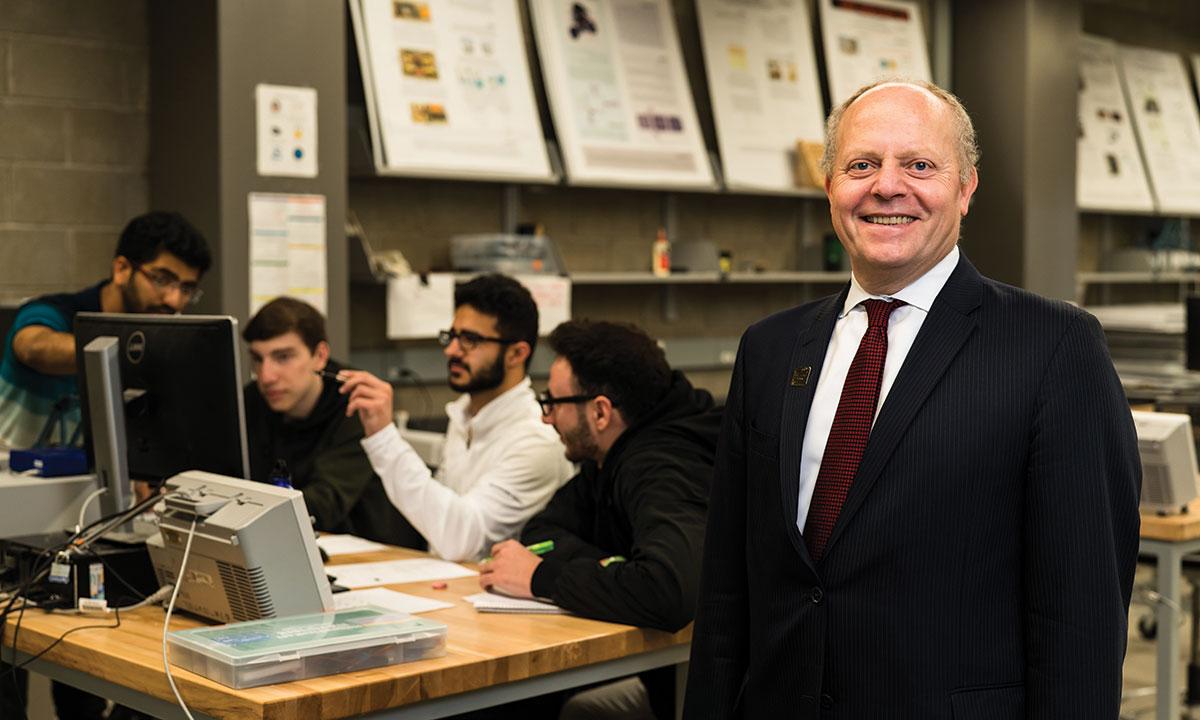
x,y
294,414
628,530
499,464
156,268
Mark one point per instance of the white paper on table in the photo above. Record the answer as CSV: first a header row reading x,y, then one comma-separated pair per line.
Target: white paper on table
x,y
390,599
419,309
394,572
335,545
492,602
552,294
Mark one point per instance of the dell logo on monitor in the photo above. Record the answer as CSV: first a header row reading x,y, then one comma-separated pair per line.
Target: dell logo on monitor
x,y
135,347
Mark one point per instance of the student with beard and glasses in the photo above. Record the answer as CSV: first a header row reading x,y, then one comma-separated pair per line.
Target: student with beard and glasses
x,y
156,268
296,419
500,464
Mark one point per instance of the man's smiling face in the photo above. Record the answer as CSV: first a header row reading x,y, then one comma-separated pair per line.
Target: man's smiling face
x,y
895,194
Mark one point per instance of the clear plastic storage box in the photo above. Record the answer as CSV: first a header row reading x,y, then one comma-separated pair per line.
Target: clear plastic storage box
x,y
263,652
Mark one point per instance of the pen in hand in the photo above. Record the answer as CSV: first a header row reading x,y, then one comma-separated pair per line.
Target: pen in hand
x,y
539,548
330,374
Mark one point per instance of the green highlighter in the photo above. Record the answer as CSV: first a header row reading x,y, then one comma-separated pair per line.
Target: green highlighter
x,y
539,548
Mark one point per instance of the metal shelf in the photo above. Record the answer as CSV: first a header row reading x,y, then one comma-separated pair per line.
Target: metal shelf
x,y
708,278
1142,277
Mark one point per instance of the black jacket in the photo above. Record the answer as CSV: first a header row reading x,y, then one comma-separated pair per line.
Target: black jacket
x,y
648,504
328,465
981,566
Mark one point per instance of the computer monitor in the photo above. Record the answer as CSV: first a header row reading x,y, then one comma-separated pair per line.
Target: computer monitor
x,y
178,380
254,553
1168,453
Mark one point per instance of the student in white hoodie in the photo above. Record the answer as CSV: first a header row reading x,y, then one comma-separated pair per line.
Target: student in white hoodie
x,y
500,463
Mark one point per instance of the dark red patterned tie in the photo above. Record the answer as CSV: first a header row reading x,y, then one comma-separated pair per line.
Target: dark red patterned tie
x,y
851,428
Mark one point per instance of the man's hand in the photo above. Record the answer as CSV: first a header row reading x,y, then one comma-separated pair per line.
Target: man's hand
x,y
510,570
370,397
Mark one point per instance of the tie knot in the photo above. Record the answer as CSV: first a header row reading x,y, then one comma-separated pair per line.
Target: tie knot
x,y
878,312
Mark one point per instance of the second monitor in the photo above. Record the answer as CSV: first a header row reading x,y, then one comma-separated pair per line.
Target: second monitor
x,y
178,379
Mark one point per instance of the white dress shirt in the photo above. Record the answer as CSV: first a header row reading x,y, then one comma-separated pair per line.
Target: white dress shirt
x,y
848,332
498,468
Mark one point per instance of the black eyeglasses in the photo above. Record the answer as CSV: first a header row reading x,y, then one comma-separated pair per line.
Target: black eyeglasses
x,y
467,339
548,401
164,280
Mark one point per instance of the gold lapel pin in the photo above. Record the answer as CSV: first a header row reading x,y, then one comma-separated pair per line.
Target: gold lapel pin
x,y
800,376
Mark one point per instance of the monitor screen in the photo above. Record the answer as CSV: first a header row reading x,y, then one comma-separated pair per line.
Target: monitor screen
x,y
180,377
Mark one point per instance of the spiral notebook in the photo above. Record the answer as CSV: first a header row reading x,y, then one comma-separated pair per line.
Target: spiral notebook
x,y
494,603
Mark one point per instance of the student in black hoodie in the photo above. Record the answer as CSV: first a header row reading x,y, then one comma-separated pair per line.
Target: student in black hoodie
x,y
296,415
628,530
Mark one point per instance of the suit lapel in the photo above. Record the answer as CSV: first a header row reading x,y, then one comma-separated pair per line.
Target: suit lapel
x,y
808,352
949,324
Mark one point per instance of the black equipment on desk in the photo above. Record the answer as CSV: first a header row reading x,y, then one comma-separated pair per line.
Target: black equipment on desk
x,y
118,573
160,395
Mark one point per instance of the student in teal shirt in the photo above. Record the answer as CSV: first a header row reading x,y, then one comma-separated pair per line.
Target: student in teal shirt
x,y
157,266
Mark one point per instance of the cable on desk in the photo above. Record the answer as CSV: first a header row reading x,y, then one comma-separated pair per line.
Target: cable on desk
x,y
88,501
187,549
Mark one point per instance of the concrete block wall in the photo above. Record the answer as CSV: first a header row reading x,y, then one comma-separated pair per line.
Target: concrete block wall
x,y
74,99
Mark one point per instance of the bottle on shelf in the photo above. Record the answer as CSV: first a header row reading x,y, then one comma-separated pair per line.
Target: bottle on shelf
x,y
660,255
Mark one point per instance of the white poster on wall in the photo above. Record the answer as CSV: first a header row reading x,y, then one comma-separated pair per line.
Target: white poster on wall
x,y
419,306
762,78
286,121
287,249
866,40
1168,125
1108,167
449,90
619,94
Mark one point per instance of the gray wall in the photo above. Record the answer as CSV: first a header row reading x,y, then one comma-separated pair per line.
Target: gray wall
x,y
1014,69
207,58
73,139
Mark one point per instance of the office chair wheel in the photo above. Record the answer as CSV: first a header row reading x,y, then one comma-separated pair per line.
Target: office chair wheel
x,y
1147,627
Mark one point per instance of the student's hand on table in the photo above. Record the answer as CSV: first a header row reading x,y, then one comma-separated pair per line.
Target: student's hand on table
x,y
370,397
510,570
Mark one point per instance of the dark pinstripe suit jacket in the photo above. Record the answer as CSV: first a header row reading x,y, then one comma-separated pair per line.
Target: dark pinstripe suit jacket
x,y
982,564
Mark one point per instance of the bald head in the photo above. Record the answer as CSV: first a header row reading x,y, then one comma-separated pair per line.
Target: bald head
x,y
964,130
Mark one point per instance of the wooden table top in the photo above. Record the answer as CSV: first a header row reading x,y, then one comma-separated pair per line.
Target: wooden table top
x,y
481,650
1172,528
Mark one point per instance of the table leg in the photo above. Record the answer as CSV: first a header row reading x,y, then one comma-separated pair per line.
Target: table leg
x,y
1170,559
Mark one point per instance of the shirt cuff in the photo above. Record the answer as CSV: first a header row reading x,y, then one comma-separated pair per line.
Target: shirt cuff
x,y
388,435
544,583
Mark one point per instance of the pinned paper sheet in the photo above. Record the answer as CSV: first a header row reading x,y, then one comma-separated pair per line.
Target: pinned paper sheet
x,y
553,297
394,572
287,249
419,309
335,545
390,599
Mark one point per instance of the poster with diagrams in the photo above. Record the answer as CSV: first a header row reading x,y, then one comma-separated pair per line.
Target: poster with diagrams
x,y
866,40
622,107
1108,168
762,78
1168,125
448,89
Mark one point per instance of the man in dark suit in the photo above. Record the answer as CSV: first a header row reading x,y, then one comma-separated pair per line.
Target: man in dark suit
x,y
926,490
